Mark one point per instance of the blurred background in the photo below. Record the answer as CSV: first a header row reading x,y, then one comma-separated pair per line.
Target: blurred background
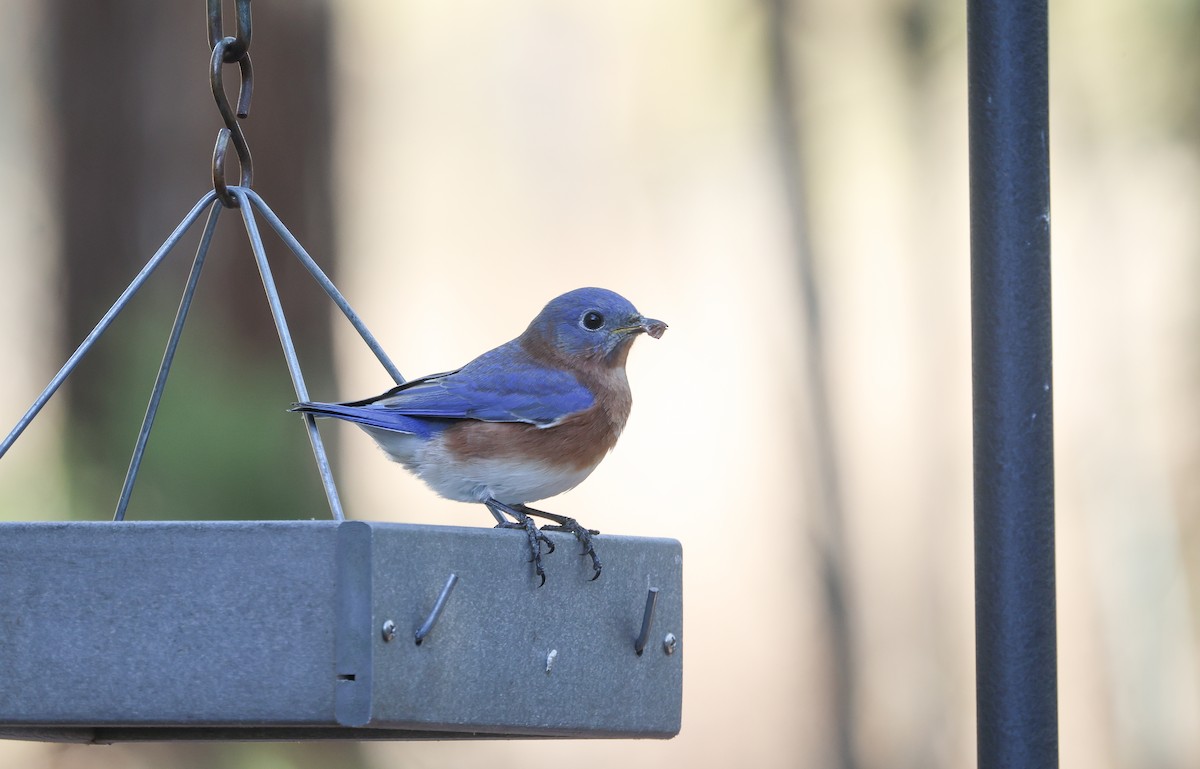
x,y
785,183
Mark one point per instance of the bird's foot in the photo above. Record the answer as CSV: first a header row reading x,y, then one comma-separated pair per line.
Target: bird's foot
x,y
536,538
583,535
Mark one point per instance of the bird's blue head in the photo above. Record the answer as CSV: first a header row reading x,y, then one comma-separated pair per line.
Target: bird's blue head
x,y
592,324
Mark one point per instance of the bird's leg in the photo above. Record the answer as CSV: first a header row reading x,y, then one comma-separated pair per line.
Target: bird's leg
x,y
563,523
501,521
536,538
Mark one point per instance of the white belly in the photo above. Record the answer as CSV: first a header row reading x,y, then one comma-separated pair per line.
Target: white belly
x,y
474,480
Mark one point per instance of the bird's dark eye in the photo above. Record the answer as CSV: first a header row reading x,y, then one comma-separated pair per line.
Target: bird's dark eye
x,y
592,320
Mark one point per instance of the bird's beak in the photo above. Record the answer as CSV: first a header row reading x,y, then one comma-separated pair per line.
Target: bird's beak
x,y
654,328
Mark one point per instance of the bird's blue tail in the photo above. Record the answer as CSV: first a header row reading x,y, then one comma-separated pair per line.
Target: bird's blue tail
x,y
370,417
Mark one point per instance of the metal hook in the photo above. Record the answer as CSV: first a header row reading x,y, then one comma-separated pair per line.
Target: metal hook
x,y
232,128
437,609
639,645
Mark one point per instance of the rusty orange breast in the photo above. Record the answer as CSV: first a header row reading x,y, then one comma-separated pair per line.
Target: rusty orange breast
x,y
578,440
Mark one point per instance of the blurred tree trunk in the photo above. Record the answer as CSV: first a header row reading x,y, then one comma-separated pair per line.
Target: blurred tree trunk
x,y
136,124
821,443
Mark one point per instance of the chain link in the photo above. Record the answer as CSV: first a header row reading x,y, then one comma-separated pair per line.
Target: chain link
x,y
231,50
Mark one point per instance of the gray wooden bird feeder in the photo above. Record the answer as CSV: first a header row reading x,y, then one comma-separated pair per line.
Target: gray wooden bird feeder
x,y
126,631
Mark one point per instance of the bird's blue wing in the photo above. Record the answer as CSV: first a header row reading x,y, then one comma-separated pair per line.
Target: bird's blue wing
x,y
503,385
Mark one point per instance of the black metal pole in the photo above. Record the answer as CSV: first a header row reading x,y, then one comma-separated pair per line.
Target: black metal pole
x,y
1016,655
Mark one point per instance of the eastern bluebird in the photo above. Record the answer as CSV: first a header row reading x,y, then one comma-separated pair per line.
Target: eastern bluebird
x,y
525,421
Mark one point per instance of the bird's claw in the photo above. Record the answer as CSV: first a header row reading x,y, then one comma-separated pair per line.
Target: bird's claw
x,y
585,538
536,538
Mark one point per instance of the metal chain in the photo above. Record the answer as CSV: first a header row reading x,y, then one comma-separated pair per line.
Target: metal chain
x,y
231,50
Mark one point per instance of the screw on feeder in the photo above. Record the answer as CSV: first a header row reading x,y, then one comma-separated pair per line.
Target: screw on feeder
x,y
639,645
669,642
438,605
388,631
231,50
